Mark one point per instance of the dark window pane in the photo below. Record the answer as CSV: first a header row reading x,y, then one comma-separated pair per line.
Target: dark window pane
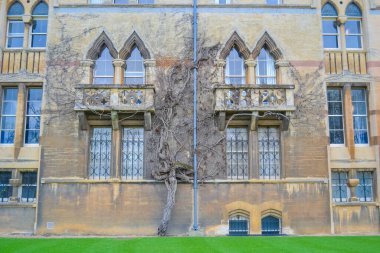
x,y
32,136
39,26
7,136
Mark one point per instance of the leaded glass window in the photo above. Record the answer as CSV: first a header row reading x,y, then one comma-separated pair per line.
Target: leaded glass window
x,y
15,27
33,116
104,70
269,152
353,27
270,225
100,153
364,191
28,186
265,69
335,110
5,186
133,153
237,153
330,26
8,115
340,192
39,25
235,72
135,71
360,116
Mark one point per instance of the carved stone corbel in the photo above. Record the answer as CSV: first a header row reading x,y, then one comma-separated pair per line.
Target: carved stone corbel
x,y
83,124
147,121
115,120
222,121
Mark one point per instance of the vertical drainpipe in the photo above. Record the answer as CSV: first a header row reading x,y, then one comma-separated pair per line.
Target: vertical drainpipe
x,y
195,30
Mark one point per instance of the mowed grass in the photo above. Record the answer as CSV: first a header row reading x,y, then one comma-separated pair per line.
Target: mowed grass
x,y
330,244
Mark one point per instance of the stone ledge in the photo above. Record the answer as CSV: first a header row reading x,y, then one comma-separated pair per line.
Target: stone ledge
x,y
190,6
18,205
343,204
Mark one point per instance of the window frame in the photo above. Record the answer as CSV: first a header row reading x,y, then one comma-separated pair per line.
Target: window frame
x,y
142,73
361,115
371,186
336,115
94,76
32,115
31,34
361,35
280,160
267,232
21,188
122,140
18,35
340,199
8,185
268,58
111,153
228,76
243,153
338,34
7,115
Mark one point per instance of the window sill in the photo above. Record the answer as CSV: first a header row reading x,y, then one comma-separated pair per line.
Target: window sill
x,y
356,204
94,181
18,205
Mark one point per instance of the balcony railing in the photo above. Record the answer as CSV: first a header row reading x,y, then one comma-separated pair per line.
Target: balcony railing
x,y
255,98
111,98
29,60
356,62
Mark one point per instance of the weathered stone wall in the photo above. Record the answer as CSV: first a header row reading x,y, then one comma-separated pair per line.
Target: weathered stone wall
x,y
17,219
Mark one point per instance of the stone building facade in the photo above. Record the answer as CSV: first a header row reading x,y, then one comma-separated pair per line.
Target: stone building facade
x,y
291,93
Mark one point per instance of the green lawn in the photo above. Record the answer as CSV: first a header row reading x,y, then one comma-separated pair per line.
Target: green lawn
x,y
360,244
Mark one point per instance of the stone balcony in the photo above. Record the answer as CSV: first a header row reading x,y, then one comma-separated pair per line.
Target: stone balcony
x,y
253,99
115,99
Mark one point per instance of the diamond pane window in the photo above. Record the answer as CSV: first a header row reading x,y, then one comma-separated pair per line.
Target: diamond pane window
x,y
5,186
103,70
265,69
340,192
133,153
360,115
237,153
364,191
33,116
235,72
100,153
135,71
8,115
270,225
29,186
269,152
335,110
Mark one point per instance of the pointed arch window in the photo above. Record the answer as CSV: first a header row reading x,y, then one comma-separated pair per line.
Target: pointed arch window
x,y
265,70
104,70
135,70
238,225
39,25
353,27
330,26
15,26
235,72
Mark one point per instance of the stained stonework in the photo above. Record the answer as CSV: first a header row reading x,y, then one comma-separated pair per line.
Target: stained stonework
x,y
70,202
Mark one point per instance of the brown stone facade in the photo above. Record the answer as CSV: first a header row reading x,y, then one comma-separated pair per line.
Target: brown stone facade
x,y
288,167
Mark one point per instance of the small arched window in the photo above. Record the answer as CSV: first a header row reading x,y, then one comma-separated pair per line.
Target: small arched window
x,y
238,225
39,25
265,69
104,70
330,26
135,71
270,225
15,27
353,27
235,71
